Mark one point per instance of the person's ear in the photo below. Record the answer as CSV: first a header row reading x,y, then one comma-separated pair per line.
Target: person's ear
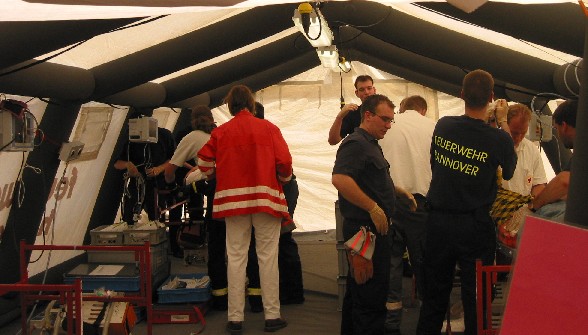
x,y
357,93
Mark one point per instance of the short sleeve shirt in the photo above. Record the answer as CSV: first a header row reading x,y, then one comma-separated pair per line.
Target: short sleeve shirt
x,y
360,157
529,171
350,122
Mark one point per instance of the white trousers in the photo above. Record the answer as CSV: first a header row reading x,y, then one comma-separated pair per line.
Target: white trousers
x,y
267,236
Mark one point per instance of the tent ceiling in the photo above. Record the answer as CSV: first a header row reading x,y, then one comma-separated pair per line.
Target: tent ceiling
x,y
191,56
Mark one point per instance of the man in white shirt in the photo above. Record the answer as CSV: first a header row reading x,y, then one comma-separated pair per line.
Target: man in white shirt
x,y
529,176
407,148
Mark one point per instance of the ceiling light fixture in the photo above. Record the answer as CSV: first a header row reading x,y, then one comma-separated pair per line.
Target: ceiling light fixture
x,y
329,57
344,65
312,24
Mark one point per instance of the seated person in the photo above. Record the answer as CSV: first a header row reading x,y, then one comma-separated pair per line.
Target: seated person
x,y
145,164
202,123
529,176
550,203
528,180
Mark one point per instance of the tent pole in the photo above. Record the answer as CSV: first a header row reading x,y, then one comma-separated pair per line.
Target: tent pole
x,y
575,211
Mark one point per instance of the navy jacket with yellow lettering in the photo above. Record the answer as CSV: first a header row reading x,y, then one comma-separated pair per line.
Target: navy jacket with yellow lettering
x,y
465,155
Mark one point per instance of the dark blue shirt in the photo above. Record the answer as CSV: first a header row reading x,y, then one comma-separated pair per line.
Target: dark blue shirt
x,y
360,157
465,156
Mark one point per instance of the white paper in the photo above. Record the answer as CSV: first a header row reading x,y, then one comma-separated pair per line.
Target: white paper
x,y
106,270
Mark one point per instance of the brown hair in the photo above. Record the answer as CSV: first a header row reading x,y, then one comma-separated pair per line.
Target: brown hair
x,y
566,112
372,102
362,78
477,88
240,97
518,110
415,102
202,119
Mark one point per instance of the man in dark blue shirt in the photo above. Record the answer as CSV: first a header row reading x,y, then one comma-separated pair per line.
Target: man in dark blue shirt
x,y
366,199
465,156
350,115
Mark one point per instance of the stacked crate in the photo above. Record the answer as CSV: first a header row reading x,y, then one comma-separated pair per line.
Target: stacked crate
x,y
341,256
160,262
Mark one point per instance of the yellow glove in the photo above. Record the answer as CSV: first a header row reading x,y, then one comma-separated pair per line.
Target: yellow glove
x,y
379,218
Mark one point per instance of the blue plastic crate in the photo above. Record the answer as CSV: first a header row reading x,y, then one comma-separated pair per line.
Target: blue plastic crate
x,y
181,295
126,280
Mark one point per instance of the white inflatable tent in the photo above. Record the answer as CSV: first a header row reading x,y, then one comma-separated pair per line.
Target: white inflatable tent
x,y
80,68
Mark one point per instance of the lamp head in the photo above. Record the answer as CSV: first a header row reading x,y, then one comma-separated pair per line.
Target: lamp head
x,y
305,9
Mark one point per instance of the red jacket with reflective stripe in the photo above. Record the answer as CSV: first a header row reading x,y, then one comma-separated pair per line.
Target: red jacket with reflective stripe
x,y
247,156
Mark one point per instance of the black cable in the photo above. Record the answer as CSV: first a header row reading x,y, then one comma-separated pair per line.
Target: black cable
x,y
49,102
320,25
20,171
342,99
116,107
8,144
343,23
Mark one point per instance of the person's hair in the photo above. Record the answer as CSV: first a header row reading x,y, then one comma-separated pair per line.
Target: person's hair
x,y
240,97
517,110
362,78
137,112
477,88
202,119
415,102
372,102
259,110
566,112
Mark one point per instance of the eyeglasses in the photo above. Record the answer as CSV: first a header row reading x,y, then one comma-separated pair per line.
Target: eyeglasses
x,y
386,119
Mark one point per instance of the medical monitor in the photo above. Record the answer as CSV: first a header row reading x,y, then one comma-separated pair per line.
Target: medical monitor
x,y
143,130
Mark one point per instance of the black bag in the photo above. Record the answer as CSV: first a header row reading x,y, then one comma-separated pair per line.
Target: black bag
x,y
192,235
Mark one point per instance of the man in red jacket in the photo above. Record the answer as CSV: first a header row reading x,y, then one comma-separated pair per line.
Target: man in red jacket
x,y
250,160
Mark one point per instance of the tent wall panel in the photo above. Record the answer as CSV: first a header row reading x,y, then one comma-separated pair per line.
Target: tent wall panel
x,y
268,77
414,76
23,222
109,196
576,202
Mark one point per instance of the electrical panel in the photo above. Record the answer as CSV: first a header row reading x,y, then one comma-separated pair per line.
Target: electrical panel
x,y
70,151
17,126
540,128
143,130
